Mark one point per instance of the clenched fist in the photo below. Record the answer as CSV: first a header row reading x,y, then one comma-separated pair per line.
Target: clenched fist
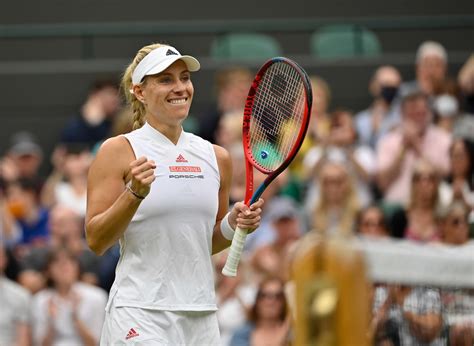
x,y
143,174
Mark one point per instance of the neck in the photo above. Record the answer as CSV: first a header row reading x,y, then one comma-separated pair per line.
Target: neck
x,y
380,105
78,182
63,289
423,206
172,132
269,324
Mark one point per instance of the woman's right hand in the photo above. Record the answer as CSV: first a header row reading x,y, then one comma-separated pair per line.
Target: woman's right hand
x,y
143,174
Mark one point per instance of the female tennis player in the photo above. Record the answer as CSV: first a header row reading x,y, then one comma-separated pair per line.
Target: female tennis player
x,y
163,193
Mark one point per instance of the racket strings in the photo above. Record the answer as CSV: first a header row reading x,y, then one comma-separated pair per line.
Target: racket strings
x,y
277,115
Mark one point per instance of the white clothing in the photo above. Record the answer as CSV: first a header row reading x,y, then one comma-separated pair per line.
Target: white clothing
x,y
137,326
66,196
165,253
446,194
14,305
232,313
92,301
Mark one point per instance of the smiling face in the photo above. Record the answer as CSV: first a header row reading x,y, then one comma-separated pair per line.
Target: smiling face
x,y
270,301
167,96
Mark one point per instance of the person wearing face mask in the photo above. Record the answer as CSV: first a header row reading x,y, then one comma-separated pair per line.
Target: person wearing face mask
x,y
379,118
446,110
163,193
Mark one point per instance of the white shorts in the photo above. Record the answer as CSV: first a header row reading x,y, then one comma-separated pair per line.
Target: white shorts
x,y
137,326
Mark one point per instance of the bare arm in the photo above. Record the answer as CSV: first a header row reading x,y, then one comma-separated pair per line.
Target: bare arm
x,y
425,327
386,176
22,334
360,170
110,206
240,214
48,197
224,162
50,334
87,338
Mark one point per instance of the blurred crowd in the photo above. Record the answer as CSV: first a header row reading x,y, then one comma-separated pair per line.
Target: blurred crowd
x,y
403,167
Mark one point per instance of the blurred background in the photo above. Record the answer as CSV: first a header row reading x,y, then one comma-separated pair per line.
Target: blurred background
x,y
373,219
52,51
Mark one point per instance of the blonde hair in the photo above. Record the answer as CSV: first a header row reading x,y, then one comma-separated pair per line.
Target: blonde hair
x,y
137,107
318,82
349,206
423,166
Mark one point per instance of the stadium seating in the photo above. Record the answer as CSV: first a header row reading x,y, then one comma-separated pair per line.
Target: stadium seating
x,y
344,41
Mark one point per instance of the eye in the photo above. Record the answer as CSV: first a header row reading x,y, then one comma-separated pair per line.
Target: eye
x,y
186,77
165,80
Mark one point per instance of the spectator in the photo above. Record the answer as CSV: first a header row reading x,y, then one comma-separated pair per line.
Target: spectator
x,y
23,202
229,131
458,303
10,232
416,138
424,204
373,122
454,227
67,184
232,85
341,146
408,316
335,210
23,158
459,184
283,226
319,124
66,231
94,121
235,296
466,84
15,304
69,312
431,71
268,321
371,222
446,111
320,118
464,126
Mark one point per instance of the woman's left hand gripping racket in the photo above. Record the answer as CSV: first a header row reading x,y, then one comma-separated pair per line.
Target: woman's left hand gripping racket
x,y
276,118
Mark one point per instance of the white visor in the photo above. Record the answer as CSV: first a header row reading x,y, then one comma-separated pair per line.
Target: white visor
x,y
158,60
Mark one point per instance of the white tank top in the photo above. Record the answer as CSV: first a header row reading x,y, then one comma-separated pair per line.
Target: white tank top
x,y
165,253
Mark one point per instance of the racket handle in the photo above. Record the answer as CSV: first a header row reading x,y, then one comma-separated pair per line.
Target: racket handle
x,y
233,259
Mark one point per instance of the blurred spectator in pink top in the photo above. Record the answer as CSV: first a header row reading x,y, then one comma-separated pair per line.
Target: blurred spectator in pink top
x,y
416,138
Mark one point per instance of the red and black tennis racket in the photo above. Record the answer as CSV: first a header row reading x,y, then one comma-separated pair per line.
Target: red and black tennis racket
x,y
276,118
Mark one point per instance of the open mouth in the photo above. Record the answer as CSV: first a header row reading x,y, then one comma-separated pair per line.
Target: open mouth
x,y
179,101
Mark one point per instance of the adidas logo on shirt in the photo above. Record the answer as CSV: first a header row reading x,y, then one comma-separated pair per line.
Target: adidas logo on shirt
x,y
181,158
131,334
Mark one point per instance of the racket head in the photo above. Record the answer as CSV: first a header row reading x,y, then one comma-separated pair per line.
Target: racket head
x,y
276,115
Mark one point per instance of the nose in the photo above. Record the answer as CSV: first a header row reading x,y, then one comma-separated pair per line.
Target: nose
x,y
179,87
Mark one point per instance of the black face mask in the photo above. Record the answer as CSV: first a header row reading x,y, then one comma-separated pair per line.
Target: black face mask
x,y
388,93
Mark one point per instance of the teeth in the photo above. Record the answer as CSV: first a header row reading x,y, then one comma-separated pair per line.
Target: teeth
x,y
177,101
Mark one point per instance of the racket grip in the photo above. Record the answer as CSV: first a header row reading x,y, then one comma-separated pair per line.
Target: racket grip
x,y
233,259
